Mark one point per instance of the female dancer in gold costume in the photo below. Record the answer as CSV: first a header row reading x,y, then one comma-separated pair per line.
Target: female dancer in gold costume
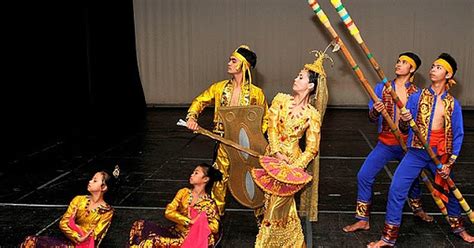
x,y
192,209
86,220
290,118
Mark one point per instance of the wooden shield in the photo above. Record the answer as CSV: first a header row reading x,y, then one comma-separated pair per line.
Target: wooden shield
x,y
243,125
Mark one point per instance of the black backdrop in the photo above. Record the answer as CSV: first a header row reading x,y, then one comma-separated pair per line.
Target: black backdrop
x,y
71,69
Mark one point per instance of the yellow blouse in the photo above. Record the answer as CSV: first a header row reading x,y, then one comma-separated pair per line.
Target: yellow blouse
x,y
178,211
285,131
99,218
218,94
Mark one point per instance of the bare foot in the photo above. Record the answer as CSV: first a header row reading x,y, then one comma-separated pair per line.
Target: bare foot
x,y
466,237
422,215
378,244
359,225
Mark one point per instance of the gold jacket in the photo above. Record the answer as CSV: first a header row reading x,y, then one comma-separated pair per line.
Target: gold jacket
x,y
99,218
178,211
285,131
220,94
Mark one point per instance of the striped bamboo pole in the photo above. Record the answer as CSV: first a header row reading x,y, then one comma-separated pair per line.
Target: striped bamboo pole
x,y
394,129
355,67
354,31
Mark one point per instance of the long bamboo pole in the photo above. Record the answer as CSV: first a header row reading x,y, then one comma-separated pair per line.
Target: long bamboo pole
x,y
355,67
355,32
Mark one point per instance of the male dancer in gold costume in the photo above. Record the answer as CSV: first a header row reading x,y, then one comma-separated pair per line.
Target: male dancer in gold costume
x,y
237,91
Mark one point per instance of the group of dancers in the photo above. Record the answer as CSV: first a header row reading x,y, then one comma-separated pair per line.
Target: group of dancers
x,y
197,210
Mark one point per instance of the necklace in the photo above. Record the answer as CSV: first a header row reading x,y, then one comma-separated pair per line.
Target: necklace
x,y
200,196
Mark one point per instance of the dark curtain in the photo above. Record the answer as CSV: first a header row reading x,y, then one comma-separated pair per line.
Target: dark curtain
x,y
71,71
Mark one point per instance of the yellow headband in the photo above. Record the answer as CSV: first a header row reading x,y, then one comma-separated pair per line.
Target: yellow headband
x,y
450,82
241,58
445,65
245,64
409,61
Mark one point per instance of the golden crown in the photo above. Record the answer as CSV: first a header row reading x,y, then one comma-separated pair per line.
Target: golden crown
x,y
317,65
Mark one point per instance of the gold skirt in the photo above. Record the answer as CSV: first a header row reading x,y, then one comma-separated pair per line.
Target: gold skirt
x,y
281,226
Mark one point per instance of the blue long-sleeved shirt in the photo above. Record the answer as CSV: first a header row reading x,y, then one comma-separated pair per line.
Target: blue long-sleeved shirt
x,y
379,88
456,120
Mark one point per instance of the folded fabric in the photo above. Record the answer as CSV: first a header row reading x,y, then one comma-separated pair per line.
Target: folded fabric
x,y
199,232
89,242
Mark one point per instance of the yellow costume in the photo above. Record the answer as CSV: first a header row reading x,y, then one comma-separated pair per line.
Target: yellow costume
x,y
148,234
99,218
281,225
220,94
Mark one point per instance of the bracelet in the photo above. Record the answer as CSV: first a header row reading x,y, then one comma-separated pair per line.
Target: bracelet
x,y
450,162
191,115
373,114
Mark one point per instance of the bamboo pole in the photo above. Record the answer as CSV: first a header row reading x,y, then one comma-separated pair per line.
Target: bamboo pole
x,y
355,32
355,67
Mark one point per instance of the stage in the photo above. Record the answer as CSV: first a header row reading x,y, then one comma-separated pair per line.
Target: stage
x,y
156,158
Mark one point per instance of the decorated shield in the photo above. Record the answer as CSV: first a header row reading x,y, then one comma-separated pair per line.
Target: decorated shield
x,y
243,125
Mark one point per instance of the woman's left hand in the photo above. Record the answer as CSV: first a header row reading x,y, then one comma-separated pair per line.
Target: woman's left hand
x,y
83,238
282,157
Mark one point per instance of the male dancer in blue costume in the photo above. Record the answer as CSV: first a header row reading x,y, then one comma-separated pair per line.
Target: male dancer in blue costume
x,y
387,148
439,117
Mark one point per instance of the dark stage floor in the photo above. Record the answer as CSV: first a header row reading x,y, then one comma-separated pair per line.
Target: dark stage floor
x,y
156,161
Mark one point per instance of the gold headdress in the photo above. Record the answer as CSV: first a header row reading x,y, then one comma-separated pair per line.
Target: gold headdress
x,y
319,101
317,65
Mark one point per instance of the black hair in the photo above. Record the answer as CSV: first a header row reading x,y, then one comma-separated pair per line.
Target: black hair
x,y
451,61
414,57
214,175
250,56
106,178
112,183
313,79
